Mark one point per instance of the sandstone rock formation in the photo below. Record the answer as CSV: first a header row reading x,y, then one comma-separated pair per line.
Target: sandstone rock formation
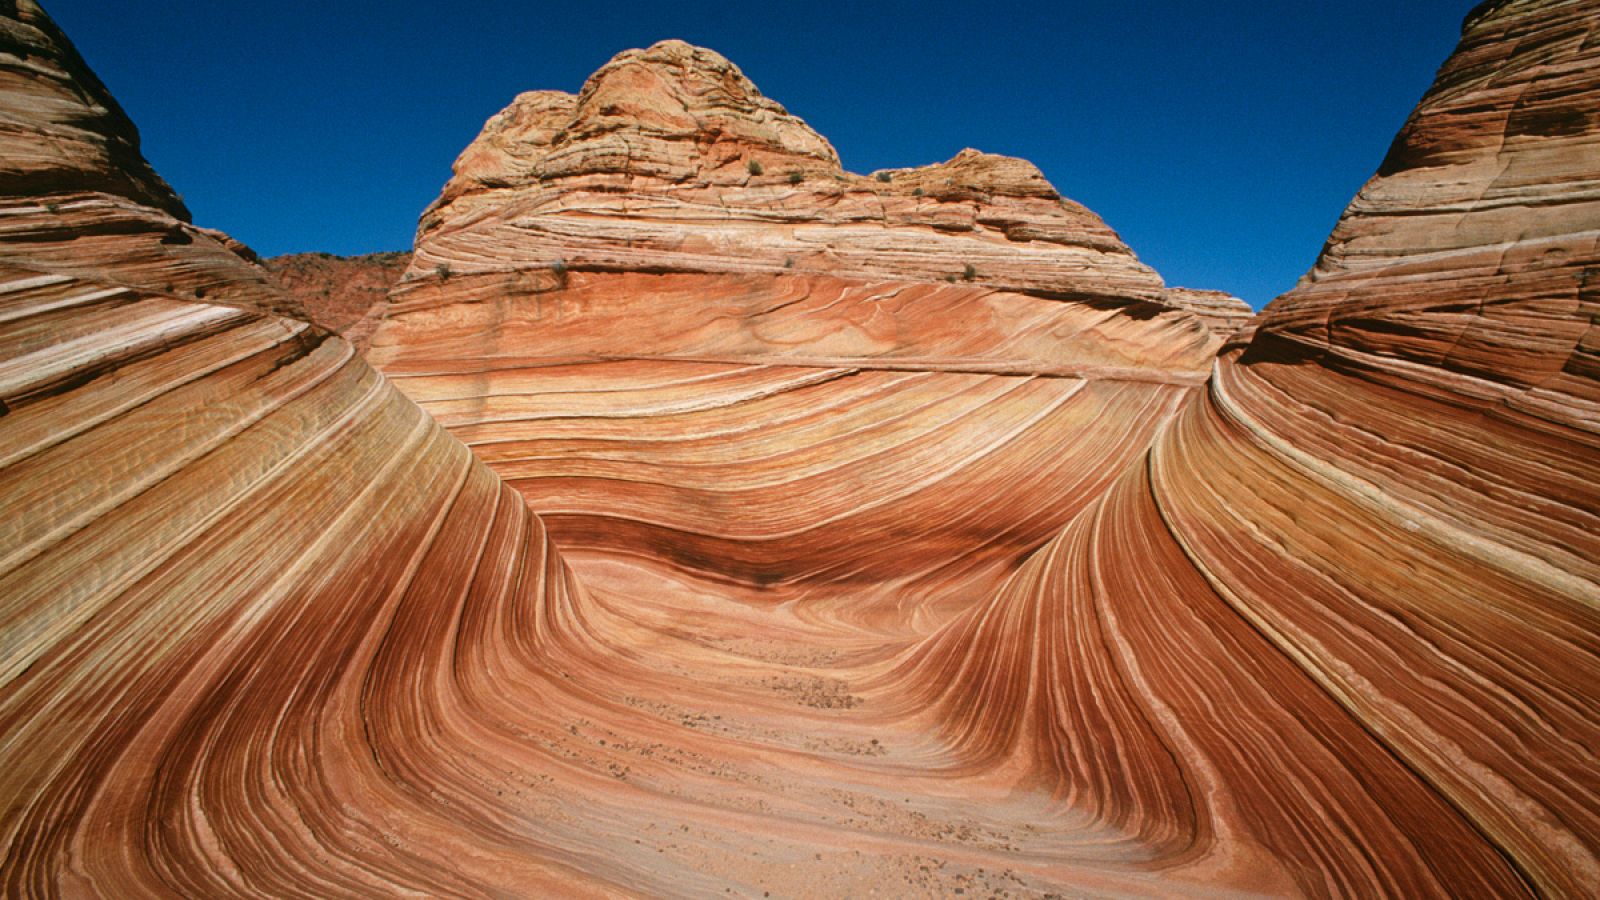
x,y
347,295
670,160
82,201
210,517
1225,314
1386,503
832,400
815,579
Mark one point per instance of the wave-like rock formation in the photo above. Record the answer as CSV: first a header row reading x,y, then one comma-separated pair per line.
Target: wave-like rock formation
x,y
1345,609
662,312
214,524
715,530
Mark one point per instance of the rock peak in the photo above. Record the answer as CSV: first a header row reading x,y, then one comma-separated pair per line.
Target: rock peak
x,y
78,138
679,60
675,91
670,159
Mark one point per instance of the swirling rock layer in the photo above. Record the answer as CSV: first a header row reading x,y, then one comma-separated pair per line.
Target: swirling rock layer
x,y
679,569
1383,504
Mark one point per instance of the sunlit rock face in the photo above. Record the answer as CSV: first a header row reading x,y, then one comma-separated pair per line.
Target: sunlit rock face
x,y
670,160
1342,617
1224,314
663,312
1397,482
731,574
215,524
1463,262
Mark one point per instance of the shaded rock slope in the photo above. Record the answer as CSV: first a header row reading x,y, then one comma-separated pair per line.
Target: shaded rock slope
x,y
702,524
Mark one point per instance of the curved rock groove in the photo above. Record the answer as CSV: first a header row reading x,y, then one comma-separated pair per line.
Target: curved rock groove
x,y
690,531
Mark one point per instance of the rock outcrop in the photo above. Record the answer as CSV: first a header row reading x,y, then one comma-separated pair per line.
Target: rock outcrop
x,y
215,522
818,579
83,202
1225,314
670,160
829,387
64,130
1373,536
1469,260
347,295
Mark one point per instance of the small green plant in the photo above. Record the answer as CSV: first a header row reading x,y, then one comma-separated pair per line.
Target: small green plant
x,y
754,167
918,192
559,268
788,263
885,177
969,273
443,271
52,207
796,178
950,278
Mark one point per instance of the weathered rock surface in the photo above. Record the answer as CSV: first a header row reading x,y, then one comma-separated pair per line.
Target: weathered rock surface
x,y
63,128
1223,313
211,517
842,580
611,265
670,160
1471,252
1373,537
93,205
347,295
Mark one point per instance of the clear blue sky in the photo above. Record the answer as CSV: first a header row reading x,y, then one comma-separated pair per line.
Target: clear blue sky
x,y
1221,139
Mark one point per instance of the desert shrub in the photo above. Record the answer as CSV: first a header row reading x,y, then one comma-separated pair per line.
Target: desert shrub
x,y
885,177
969,273
443,271
796,178
754,167
918,192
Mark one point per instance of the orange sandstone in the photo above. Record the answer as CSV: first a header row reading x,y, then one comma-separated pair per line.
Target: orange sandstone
x,y
703,524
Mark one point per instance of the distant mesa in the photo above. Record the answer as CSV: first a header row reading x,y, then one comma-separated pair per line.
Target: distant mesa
x,y
347,295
